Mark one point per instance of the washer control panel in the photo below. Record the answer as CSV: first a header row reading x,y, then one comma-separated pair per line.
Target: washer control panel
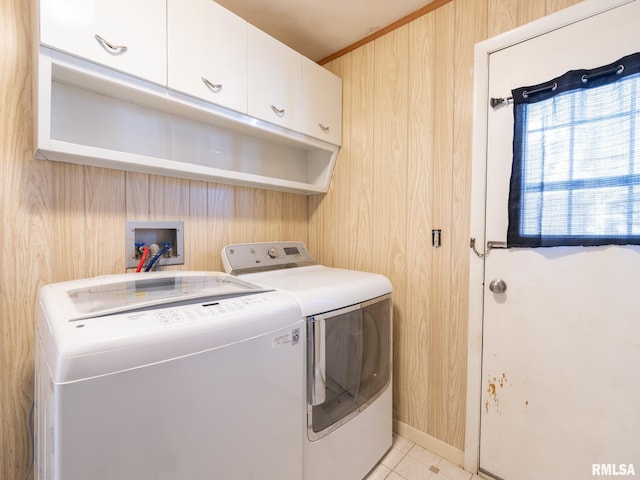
x,y
196,312
247,257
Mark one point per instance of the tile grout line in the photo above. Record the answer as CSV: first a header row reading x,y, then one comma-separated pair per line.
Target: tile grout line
x,y
393,470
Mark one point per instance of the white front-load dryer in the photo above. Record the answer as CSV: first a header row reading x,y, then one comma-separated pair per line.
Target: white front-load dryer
x,y
348,410
166,376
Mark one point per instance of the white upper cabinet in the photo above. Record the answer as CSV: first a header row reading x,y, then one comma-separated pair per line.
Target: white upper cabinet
x,y
207,53
275,81
321,102
120,34
182,88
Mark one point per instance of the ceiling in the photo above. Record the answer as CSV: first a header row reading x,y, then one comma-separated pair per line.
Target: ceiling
x,y
318,29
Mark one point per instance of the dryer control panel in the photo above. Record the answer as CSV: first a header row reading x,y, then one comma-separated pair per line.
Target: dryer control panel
x,y
254,257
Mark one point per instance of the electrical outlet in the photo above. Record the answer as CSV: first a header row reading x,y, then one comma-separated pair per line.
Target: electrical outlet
x,y
157,234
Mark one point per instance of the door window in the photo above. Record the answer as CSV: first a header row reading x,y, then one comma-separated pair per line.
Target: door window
x,y
576,159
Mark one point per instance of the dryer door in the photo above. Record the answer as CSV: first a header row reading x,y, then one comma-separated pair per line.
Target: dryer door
x,y
349,363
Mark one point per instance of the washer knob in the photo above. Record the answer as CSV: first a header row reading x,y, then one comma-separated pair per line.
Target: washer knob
x,y
272,252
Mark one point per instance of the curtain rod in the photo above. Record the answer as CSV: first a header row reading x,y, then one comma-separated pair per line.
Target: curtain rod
x,y
618,70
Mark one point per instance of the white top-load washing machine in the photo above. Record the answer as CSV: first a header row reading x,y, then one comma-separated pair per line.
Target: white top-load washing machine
x,y
169,375
348,419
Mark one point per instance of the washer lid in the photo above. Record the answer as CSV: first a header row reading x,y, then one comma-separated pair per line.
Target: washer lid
x,y
104,325
320,289
111,294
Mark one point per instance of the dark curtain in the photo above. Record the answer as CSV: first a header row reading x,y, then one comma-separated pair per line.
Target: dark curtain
x,y
575,177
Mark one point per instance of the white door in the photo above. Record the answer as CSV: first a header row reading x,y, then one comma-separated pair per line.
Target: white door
x,y
561,346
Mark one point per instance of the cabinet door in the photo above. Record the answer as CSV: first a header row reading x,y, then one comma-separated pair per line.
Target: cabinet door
x,y
124,35
207,52
321,102
275,81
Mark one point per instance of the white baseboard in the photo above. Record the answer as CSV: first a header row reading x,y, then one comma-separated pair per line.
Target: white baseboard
x,y
451,453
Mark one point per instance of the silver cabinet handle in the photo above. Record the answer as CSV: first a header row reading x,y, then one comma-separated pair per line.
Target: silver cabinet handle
x,y
317,363
113,49
214,87
323,128
277,111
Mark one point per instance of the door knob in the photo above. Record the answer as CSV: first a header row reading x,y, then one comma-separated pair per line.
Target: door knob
x,y
498,286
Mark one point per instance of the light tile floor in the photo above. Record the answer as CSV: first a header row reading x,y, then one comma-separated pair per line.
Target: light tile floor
x,y
408,461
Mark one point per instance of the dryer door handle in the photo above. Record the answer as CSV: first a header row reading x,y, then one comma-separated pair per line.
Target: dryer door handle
x,y
317,363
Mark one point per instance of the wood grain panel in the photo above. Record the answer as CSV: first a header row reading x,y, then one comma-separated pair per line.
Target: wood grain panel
x,y
64,221
413,379
403,170
265,215
104,221
67,214
390,154
295,215
198,258
437,417
249,212
273,228
315,210
220,215
136,196
555,5
324,250
361,96
433,5
169,201
351,237
431,327
470,27
25,236
168,198
529,11
503,16
390,171
352,185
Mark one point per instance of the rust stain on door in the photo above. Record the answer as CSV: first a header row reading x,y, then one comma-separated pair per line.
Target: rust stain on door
x,y
493,385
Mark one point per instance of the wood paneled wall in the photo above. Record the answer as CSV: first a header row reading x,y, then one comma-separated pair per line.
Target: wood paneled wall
x,y
63,221
403,171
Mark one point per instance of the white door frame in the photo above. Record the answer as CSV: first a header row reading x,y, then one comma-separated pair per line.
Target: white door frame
x,y
481,96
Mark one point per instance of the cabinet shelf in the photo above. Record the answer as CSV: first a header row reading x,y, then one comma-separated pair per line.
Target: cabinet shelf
x,y
92,115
